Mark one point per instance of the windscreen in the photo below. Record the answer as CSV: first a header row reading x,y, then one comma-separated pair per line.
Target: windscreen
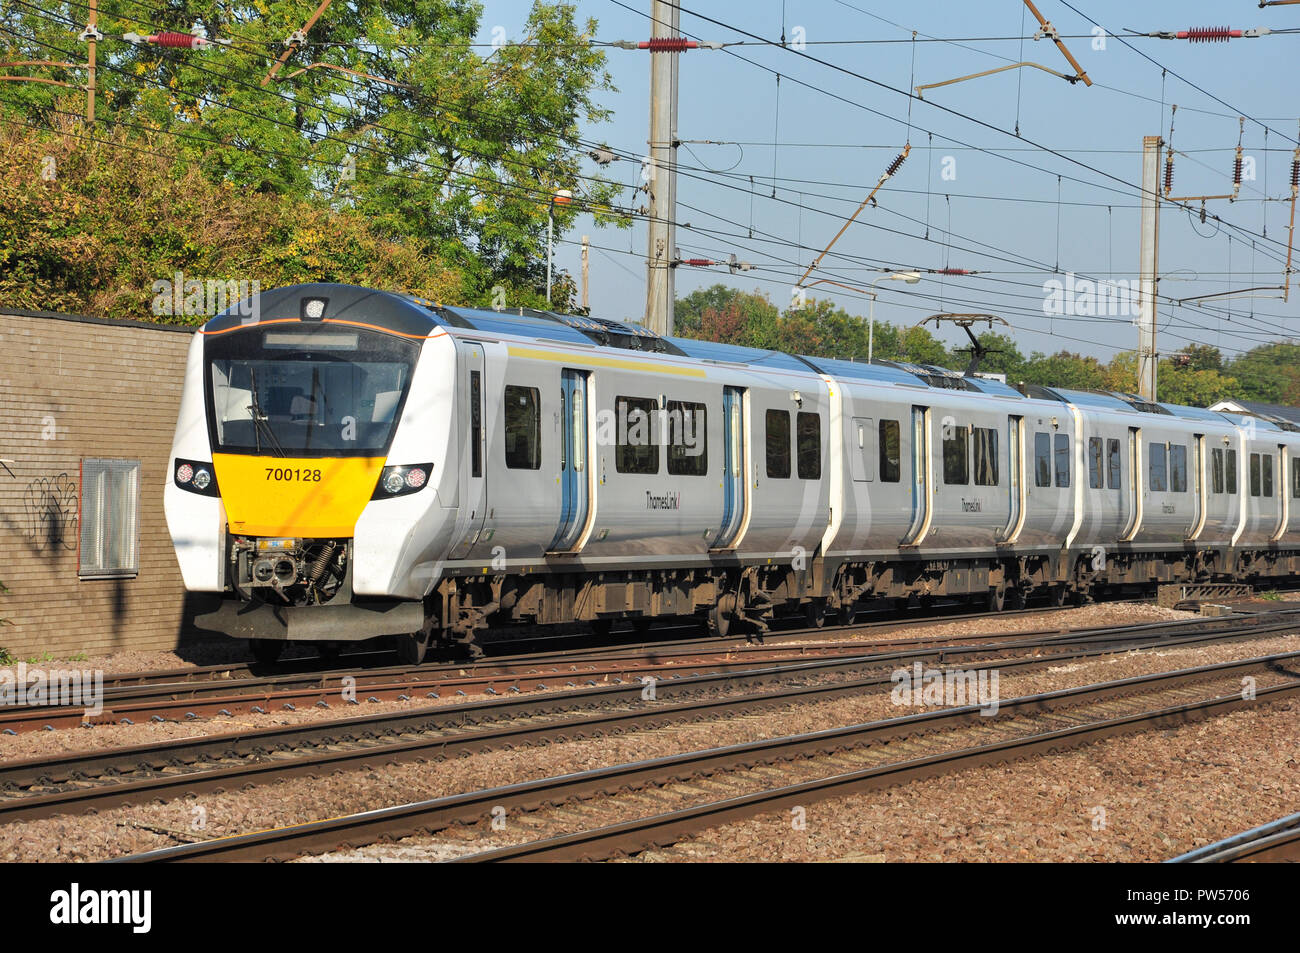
x,y
308,390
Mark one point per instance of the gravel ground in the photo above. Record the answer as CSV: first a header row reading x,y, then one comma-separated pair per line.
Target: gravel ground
x,y
1146,797
101,736
126,830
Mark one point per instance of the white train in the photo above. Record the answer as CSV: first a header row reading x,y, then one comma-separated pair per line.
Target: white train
x,y
351,463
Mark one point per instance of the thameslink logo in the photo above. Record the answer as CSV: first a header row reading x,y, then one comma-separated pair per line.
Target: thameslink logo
x,y
668,501
76,906
55,687
917,686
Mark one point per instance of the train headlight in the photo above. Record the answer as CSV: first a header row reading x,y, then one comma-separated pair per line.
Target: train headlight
x,y
196,476
399,481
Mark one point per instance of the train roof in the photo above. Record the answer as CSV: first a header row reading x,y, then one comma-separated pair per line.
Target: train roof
x,y
413,316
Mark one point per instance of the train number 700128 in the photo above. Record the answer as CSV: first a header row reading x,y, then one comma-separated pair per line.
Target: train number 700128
x,y
293,473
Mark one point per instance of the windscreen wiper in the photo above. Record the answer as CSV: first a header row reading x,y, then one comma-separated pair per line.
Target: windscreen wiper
x,y
260,422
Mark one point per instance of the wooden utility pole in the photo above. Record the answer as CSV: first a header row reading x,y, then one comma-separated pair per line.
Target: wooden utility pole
x,y
586,252
1148,267
661,238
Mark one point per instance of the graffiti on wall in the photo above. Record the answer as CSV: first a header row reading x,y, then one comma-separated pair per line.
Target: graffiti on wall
x,y
50,506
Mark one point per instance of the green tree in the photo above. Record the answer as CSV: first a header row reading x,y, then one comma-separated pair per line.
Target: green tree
x,y
1268,373
388,110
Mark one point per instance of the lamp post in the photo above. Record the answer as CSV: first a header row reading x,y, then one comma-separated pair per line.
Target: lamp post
x,y
911,277
562,197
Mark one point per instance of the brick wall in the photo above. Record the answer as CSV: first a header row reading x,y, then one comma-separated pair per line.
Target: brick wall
x,y
74,388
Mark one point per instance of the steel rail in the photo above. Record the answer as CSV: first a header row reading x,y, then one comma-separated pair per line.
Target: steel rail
x,y
439,813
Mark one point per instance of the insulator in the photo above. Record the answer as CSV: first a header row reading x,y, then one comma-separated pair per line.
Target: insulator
x,y
697,262
1208,34
179,40
1236,169
952,271
893,166
1295,173
1202,213
1169,173
668,44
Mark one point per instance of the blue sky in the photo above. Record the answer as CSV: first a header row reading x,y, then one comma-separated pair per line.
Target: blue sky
x,y
1002,211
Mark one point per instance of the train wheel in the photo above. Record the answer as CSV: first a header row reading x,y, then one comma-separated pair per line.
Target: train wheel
x,y
1016,598
412,648
1058,594
720,616
997,598
266,651
816,614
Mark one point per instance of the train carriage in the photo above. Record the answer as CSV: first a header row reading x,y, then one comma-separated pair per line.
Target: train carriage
x,y
351,463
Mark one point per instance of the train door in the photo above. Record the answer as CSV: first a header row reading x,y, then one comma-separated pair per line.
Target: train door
x,y
473,443
733,463
861,461
1015,479
1134,483
1198,486
575,477
921,502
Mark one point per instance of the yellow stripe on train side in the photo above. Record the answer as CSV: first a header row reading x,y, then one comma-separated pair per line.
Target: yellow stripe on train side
x,y
295,496
595,361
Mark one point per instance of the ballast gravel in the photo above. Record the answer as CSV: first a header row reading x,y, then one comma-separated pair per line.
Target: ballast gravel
x,y
1257,759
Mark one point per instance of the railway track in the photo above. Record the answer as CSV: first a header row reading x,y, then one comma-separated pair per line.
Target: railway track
x,y
100,780
1276,841
532,649
660,801
191,699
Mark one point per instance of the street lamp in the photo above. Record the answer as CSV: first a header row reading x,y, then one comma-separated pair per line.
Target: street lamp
x,y
562,197
911,277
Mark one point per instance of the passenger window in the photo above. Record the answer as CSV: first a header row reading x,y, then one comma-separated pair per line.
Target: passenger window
x,y
1254,474
476,423
1157,468
1113,464
891,452
1266,462
523,428
1230,472
1043,459
810,446
1216,470
688,452
1094,464
956,457
1062,459
1178,468
862,450
778,444
636,450
986,456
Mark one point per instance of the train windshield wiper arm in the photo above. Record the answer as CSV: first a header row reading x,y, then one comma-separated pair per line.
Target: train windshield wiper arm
x,y
260,422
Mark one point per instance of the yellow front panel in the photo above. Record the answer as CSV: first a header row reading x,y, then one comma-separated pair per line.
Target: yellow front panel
x,y
295,496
